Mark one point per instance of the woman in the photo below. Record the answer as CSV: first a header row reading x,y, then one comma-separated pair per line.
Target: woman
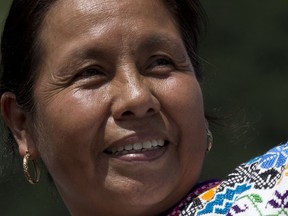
x,y
104,103
107,94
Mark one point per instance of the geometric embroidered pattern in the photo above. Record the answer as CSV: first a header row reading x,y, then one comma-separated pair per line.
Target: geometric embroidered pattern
x,y
223,201
258,188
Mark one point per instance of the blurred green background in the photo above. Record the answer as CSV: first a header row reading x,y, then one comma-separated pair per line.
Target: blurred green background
x,y
245,59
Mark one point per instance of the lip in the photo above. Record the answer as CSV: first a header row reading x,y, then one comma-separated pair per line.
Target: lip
x,y
138,137
146,156
140,155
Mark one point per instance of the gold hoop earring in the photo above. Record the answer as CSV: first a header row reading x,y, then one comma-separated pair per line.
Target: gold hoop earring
x,y
36,178
209,141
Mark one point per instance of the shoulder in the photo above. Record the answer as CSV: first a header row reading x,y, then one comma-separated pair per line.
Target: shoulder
x,y
257,187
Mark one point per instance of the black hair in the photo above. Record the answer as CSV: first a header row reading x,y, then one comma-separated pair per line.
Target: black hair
x,y
20,55
21,48
191,20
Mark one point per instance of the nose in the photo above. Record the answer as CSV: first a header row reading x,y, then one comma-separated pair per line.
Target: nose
x,y
134,99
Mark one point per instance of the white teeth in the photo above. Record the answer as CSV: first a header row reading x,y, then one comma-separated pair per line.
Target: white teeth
x,y
147,145
160,142
154,143
137,147
128,147
120,148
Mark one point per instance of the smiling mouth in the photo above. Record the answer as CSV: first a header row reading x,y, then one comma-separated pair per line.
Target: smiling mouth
x,y
138,147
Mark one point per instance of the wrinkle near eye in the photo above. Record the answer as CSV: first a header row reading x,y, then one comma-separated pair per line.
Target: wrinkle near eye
x,y
161,45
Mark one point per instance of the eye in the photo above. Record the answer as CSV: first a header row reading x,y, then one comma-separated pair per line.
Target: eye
x,y
160,65
160,62
91,76
90,72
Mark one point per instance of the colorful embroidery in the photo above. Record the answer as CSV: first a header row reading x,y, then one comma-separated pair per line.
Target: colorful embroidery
x,y
258,188
188,202
208,195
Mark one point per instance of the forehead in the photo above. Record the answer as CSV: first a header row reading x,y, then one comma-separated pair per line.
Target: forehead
x,y
68,13
106,23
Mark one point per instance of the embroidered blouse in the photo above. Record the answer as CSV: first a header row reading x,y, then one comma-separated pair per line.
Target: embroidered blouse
x,y
258,187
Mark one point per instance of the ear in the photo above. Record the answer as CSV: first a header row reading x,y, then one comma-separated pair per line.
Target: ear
x,y
17,121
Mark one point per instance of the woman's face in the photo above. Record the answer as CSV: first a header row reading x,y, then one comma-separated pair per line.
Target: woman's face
x,y
119,112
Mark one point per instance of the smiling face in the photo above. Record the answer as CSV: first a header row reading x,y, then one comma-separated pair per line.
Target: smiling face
x,y
119,117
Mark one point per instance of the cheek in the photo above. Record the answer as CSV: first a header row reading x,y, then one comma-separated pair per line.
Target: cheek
x,y
70,125
182,102
181,98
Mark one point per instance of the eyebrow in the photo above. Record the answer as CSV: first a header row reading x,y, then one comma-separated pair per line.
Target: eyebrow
x,y
150,43
160,40
79,57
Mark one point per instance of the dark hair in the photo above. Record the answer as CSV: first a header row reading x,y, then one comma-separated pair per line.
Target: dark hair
x,y
21,50
20,55
191,21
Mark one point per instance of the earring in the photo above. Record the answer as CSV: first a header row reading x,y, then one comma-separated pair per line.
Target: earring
x,y
209,140
26,169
